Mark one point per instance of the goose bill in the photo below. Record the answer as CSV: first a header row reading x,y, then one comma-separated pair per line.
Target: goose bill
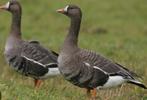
x,y
2,7
6,6
61,11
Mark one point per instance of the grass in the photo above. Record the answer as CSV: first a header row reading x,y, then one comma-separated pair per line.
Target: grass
x,y
117,29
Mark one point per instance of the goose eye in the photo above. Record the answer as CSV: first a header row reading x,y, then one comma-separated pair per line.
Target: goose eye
x,y
11,3
71,8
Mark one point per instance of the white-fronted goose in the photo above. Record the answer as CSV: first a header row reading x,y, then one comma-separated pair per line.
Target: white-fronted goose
x,y
28,58
85,68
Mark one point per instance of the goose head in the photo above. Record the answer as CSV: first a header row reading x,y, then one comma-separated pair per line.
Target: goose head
x,y
11,6
71,11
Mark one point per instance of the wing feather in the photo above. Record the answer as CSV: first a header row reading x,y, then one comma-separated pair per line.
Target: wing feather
x,y
103,63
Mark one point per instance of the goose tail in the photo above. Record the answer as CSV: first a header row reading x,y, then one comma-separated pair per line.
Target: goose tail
x,y
135,82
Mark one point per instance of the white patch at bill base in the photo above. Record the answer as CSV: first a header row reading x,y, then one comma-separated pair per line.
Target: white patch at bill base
x,y
66,8
7,5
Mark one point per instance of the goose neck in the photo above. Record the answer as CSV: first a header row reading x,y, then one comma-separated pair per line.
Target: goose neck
x,y
16,24
72,37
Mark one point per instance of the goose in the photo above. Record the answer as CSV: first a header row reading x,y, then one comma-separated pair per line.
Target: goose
x,y
28,58
85,68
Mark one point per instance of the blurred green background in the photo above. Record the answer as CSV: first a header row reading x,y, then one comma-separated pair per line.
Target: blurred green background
x,y
115,28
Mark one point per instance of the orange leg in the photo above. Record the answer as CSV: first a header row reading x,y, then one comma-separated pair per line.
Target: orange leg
x,y
37,83
93,94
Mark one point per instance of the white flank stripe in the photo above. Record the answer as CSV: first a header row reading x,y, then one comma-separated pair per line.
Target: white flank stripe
x,y
113,81
50,64
33,61
99,69
87,64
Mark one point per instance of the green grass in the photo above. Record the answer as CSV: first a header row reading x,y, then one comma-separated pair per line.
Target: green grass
x,y
117,29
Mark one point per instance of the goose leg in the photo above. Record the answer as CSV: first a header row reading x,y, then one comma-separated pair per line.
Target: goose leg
x,y
88,93
93,94
37,83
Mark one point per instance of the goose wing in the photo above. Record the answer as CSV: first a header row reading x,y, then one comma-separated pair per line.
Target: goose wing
x,y
105,64
34,60
36,52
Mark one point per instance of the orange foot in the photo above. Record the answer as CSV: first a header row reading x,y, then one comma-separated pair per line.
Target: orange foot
x,y
37,83
91,93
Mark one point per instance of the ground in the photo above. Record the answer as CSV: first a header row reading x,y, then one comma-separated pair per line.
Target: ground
x,y
116,29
